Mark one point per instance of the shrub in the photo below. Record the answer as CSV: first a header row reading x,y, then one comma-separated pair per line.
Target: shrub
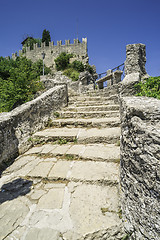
x,y
75,75
19,81
71,73
150,87
89,68
62,61
77,65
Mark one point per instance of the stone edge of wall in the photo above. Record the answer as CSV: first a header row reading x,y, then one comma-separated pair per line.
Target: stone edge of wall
x,y
140,165
17,126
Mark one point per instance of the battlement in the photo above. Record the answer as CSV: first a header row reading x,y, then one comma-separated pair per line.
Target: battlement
x,y
52,45
79,49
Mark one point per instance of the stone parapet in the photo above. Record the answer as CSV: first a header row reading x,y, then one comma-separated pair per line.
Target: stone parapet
x,y
140,166
135,59
17,126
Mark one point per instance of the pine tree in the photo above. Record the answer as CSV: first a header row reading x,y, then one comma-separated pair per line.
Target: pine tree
x,y
46,37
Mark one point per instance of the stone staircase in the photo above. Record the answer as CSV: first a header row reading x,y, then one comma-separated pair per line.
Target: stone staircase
x,y
67,186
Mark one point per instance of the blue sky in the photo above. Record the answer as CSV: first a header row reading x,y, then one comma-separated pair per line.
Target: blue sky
x,y
108,25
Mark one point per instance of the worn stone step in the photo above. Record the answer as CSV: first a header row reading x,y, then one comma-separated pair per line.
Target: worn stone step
x,y
92,98
93,172
68,168
95,114
105,92
92,103
93,135
93,122
93,152
92,108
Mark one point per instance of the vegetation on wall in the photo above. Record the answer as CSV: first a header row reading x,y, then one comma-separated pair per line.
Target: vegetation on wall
x,y
19,81
62,61
150,87
71,70
31,41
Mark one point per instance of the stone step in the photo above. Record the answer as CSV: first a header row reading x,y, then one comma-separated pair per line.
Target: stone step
x,y
93,122
92,108
92,98
93,172
92,103
95,114
101,93
81,135
103,135
92,152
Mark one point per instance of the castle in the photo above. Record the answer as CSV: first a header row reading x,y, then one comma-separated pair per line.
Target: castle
x,y
78,49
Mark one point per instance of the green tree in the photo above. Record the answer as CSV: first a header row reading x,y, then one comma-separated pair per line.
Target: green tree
x,y
46,37
62,61
77,65
19,81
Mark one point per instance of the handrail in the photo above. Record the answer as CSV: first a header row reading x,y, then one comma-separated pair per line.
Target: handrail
x,y
116,68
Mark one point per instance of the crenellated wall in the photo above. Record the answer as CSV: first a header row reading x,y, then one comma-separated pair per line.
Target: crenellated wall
x,y
79,50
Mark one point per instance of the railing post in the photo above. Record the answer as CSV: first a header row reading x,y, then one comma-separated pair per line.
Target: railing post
x,y
110,81
117,76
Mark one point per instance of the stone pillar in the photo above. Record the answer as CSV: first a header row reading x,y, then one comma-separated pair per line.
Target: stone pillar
x,y
135,59
117,76
67,42
59,43
76,41
110,81
51,44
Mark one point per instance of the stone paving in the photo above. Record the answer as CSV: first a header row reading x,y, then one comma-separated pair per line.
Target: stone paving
x,y
67,186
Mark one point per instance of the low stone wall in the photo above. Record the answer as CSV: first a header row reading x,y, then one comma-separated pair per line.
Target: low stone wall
x,y
17,126
140,166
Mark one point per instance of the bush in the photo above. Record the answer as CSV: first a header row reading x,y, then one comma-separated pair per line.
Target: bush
x,y
71,73
77,65
62,61
19,81
150,87
89,68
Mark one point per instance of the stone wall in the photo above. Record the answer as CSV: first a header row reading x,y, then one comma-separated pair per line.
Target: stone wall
x,y
135,59
79,49
17,126
140,166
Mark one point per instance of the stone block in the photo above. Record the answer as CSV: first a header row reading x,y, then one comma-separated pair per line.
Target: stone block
x,y
52,200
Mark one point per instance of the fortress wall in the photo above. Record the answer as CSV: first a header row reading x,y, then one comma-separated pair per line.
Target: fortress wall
x,y
140,166
17,126
52,51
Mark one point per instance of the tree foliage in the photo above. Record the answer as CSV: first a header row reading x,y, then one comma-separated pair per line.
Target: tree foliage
x,y
62,61
46,37
19,81
150,87
31,41
71,70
